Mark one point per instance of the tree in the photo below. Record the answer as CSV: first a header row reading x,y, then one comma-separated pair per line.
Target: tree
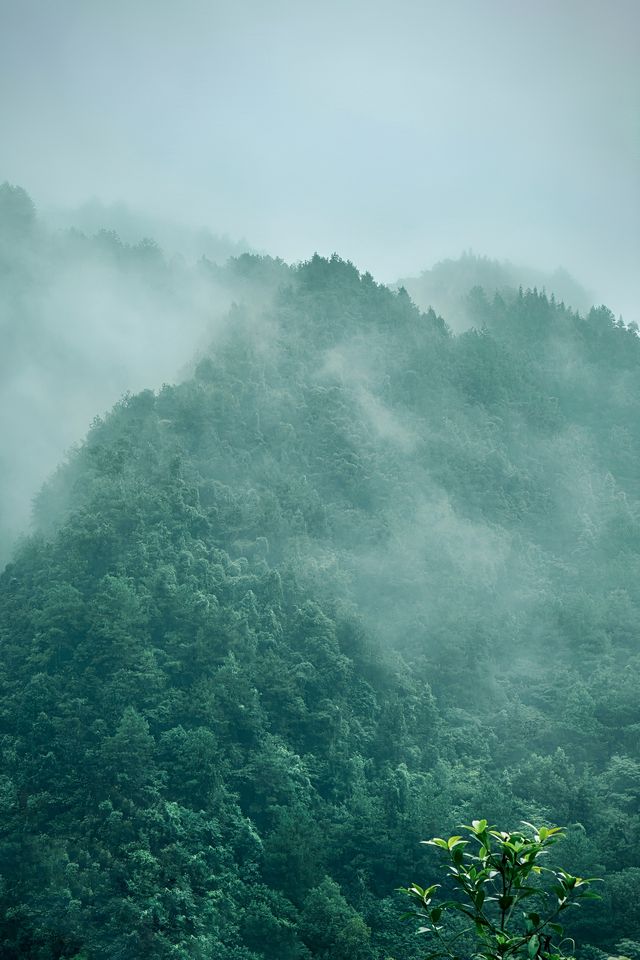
x,y
495,880
331,927
17,213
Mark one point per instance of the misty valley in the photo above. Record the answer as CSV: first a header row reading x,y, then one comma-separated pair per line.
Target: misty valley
x,y
299,570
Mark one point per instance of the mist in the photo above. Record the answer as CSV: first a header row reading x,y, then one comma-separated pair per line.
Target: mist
x,y
319,473
83,321
395,134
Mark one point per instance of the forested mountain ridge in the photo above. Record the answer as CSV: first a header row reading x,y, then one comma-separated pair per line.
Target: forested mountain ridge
x,y
353,581
446,286
84,318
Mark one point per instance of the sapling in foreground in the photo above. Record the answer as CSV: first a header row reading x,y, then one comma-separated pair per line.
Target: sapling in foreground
x,y
509,903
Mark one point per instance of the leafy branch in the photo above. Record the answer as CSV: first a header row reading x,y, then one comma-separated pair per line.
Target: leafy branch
x,y
512,901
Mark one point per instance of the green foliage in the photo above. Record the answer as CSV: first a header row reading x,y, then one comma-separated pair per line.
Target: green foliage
x,y
17,214
355,577
495,872
331,928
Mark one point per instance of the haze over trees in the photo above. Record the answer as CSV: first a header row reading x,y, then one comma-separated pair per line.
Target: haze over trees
x,y
352,580
86,315
447,285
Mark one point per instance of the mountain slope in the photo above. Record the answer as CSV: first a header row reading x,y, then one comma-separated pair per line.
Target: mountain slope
x,y
353,581
446,286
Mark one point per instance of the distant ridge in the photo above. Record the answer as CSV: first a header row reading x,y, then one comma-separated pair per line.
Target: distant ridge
x,y
446,286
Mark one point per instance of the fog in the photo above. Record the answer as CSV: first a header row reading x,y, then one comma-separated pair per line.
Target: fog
x,y
393,133
308,555
83,320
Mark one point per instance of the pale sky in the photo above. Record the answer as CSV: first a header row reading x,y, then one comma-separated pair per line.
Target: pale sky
x,y
394,133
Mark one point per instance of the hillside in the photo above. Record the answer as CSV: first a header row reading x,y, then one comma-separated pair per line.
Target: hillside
x,y
85,317
355,579
447,285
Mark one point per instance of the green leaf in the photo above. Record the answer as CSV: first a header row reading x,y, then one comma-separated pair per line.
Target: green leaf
x,y
428,891
436,842
500,876
454,842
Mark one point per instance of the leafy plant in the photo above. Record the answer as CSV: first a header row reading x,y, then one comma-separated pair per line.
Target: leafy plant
x,y
511,901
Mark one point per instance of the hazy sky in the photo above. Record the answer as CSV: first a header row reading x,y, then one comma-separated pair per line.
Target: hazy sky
x,y
395,133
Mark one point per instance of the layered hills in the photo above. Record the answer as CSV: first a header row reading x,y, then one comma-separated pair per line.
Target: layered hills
x,y
353,580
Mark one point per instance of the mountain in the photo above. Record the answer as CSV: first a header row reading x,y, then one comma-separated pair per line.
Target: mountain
x,y
84,318
447,285
354,580
132,225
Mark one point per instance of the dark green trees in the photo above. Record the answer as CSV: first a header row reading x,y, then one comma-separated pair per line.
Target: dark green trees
x,y
17,214
354,578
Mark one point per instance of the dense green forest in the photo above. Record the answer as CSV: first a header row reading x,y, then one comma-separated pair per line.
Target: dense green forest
x,y
355,579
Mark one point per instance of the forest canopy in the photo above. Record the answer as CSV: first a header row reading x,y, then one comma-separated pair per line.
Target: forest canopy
x,y
352,580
